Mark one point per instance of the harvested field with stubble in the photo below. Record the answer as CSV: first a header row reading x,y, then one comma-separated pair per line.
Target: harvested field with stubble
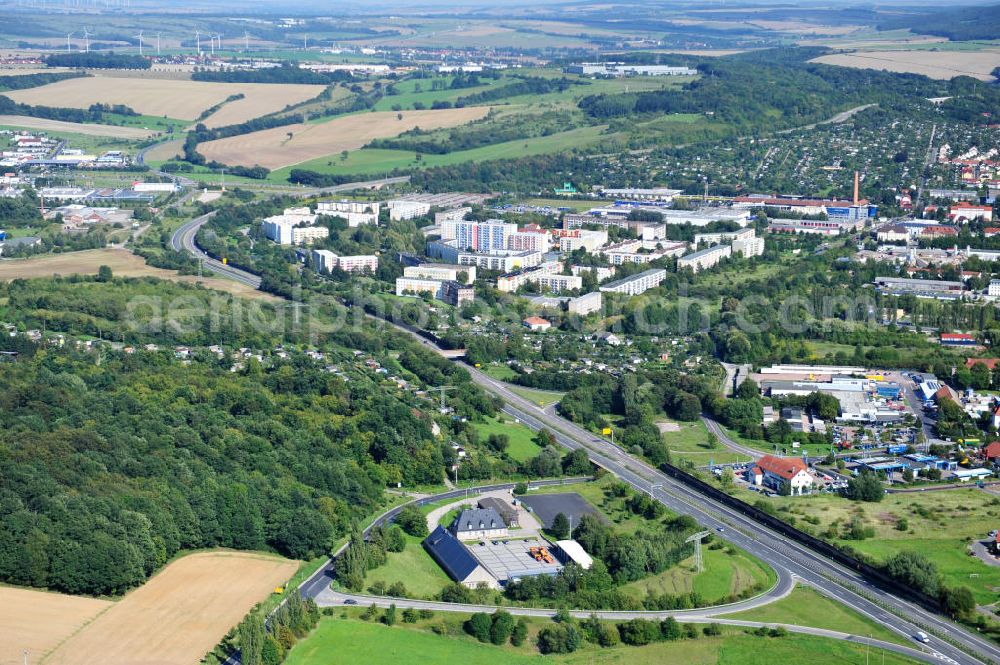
x,y
122,262
273,149
45,125
37,621
171,98
178,615
935,64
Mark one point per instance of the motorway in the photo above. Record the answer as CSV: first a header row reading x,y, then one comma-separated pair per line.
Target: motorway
x,y
781,553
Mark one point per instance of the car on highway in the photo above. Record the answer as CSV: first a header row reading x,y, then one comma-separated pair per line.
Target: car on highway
x,y
922,637
350,601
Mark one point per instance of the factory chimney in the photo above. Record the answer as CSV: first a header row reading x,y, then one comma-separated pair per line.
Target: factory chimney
x,y
855,188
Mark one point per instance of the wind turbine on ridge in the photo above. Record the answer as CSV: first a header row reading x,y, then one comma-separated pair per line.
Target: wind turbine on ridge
x,y
139,37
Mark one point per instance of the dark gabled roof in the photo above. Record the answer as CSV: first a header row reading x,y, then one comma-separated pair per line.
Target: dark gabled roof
x,y
504,509
477,519
451,555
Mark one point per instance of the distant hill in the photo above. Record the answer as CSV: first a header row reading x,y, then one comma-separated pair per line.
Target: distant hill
x,y
956,24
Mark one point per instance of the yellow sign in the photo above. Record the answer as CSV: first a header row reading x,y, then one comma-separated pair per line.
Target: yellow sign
x,y
225,261
606,431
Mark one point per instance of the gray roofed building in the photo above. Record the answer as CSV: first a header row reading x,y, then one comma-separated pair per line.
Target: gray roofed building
x,y
506,511
478,523
456,559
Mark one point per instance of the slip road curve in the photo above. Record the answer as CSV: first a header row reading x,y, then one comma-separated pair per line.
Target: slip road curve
x,y
318,588
783,554
183,238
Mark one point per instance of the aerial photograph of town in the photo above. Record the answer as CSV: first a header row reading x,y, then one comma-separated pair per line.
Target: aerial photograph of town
x,y
466,332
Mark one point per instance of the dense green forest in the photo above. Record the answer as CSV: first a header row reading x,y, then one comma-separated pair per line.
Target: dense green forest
x,y
93,114
287,73
35,80
488,131
955,23
98,61
112,462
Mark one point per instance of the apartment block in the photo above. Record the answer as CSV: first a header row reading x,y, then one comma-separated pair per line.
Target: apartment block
x,y
601,272
326,261
355,212
501,261
400,210
570,241
546,277
705,258
488,236
448,291
453,215
442,271
636,284
581,305
724,236
748,247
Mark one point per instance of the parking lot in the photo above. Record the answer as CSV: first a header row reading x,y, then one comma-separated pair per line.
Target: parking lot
x,y
547,506
512,559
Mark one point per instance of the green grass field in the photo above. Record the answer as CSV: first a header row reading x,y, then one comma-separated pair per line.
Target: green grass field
x,y
691,443
408,94
728,573
542,398
350,641
377,161
414,567
499,372
940,525
805,607
522,445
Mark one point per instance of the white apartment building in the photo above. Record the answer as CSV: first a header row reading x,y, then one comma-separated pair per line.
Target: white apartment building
x,y
400,210
453,215
601,272
724,236
528,241
293,227
706,258
415,285
582,239
442,271
581,305
502,261
355,212
628,252
748,247
637,284
287,232
653,232
546,277
994,288
325,261
489,236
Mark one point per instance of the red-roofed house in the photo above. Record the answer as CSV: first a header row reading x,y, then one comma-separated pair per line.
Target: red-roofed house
x,y
938,231
774,472
946,392
991,231
966,212
990,363
991,451
958,339
536,324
